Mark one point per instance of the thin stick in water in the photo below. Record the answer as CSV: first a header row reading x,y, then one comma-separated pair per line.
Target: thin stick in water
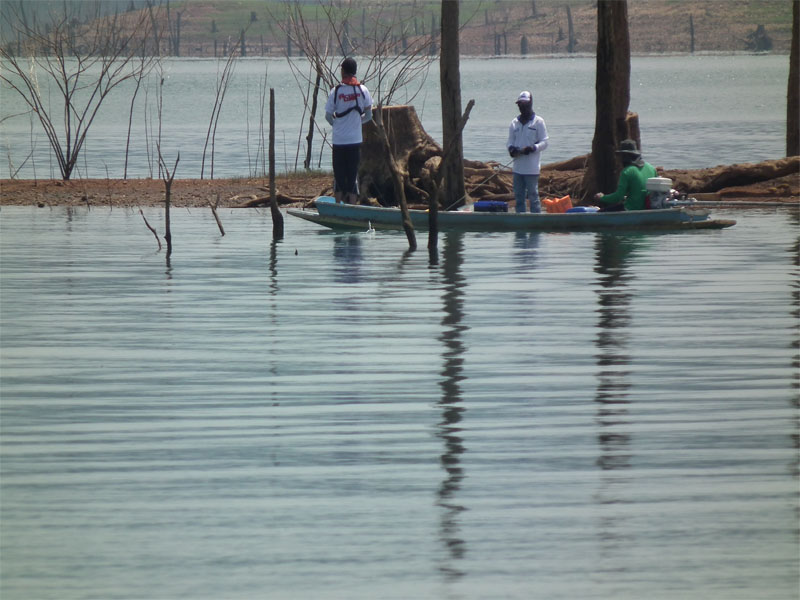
x,y
151,229
216,217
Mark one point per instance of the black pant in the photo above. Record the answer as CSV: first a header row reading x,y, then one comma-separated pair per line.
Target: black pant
x,y
345,168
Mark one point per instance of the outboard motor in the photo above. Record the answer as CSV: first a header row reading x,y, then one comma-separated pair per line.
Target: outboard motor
x,y
658,191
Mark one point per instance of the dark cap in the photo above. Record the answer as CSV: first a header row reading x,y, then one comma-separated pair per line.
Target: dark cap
x,y
349,66
628,147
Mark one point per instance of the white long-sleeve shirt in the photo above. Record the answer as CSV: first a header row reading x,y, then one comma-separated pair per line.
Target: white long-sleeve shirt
x,y
347,129
533,134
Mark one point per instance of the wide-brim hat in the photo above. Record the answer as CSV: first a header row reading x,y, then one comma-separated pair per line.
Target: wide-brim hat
x,y
628,147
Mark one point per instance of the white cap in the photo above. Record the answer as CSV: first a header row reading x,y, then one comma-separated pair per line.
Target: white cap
x,y
524,97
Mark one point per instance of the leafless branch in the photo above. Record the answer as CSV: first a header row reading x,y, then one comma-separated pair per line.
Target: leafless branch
x,y
82,61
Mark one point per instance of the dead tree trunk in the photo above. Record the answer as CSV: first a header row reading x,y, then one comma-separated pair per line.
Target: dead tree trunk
x,y
433,209
450,78
411,148
612,88
311,119
793,96
277,217
396,175
572,43
168,177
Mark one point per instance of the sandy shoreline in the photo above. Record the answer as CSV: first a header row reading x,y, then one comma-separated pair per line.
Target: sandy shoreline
x,y
299,189
291,190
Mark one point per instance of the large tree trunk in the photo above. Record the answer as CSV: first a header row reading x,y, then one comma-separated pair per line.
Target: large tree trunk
x,y
396,174
411,148
612,89
450,79
417,158
793,96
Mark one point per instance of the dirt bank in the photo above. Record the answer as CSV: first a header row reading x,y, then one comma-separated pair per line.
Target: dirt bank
x,y
150,192
770,181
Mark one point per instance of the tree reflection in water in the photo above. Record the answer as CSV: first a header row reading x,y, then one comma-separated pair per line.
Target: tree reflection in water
x,y
614,300
613,255
449,429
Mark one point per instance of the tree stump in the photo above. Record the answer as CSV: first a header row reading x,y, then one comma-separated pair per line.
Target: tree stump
x,y
412,148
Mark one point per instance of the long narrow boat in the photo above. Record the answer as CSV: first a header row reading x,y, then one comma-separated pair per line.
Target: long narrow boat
x,y
349,216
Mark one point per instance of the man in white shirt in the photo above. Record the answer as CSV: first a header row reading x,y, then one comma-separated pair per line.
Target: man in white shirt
x,y
349,105
527,139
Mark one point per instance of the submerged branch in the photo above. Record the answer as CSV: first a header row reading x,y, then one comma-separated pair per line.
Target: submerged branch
x,y
150,227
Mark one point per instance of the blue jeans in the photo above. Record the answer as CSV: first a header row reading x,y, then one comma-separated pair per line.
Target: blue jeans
x,y
527,186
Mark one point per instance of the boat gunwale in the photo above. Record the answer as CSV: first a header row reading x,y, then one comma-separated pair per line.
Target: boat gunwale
x,y
578,221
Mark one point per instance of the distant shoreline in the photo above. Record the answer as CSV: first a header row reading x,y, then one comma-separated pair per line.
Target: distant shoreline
x,y
542,56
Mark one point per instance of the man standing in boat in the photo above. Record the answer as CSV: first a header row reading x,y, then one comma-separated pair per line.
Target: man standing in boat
x,y
349,105
527,139
631,191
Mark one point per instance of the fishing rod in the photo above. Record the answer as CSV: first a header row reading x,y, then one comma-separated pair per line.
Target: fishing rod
x,y
729,203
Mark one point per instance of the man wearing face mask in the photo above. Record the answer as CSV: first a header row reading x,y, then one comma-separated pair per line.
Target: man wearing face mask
x,y
527,139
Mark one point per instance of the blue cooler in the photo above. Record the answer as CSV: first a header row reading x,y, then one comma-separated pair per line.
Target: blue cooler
x,y
490,206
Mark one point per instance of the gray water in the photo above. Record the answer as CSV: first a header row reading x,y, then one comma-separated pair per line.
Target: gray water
x,y
695,112
533,416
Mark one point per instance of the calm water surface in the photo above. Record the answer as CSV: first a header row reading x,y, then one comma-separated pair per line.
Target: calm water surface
x,y
535,416
695,112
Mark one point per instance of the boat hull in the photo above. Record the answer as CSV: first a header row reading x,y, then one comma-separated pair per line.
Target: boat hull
x,y
347,216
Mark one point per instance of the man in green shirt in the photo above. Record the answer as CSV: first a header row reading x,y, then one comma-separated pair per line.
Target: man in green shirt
x,y
631,190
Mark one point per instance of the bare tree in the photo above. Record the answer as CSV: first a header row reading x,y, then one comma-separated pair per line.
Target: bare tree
x,y
167,178
223,80
448,151
572,43
138,77
82,61
793,94
450,78
277,217
312,119
397,174
396,62
612,90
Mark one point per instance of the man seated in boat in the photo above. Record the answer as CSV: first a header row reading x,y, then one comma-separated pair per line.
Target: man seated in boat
x,y
631,191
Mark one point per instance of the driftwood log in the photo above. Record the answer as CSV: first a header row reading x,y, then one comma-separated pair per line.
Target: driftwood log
x,y
718,179
775,179
255,201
